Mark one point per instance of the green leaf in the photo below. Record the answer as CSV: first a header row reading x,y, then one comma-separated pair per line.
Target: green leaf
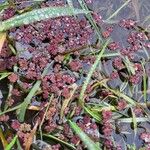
x,y
111,54
11,144
134,122
130,120
27,101
118,10
91,20
93,113
43,118
144,83
19,145
4,6
67,100
129,65
3,139
4,75
86,82
11,109
59,141
120,94
32,92
131,147
12,49
70,3
86,140
2,40
38,15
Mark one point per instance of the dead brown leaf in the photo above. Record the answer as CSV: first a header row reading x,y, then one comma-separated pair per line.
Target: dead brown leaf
x,y
66,101
2,40
31,136
3,140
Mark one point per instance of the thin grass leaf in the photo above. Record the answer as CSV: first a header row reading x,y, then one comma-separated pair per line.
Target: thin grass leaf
x,y
12,49
3,139
99,109
111,55
66,101
4,6
38,15
119,94
134,122
144,83
130,120
135,4
129,65
4,75
123,86
42,121
111,21
95,115
11,109
147,19
59,141
27,100
131,147
31,136
85,139
32,92
19,145
9,95
2,40
146,52
118,10
86,82
70,3
11,144
90,18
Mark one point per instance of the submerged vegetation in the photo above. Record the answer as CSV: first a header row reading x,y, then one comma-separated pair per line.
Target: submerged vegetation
x,y
74,75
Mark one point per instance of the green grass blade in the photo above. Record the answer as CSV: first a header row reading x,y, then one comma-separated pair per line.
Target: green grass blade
x,y
59,141
32,92
11,109
19,145
90,18
134,122
119,94
130,120
118,10
146,52
38,15
70,3
4,6
86,82
147,19
94,114
12,49
111,54
144,83
11,144
67,100
129,65
86,140
4,75
42,121
27,100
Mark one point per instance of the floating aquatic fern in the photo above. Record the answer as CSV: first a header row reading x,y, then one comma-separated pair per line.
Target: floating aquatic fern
x,y
38,15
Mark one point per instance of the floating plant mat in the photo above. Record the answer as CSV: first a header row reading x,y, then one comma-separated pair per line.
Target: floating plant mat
x,y
74,74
